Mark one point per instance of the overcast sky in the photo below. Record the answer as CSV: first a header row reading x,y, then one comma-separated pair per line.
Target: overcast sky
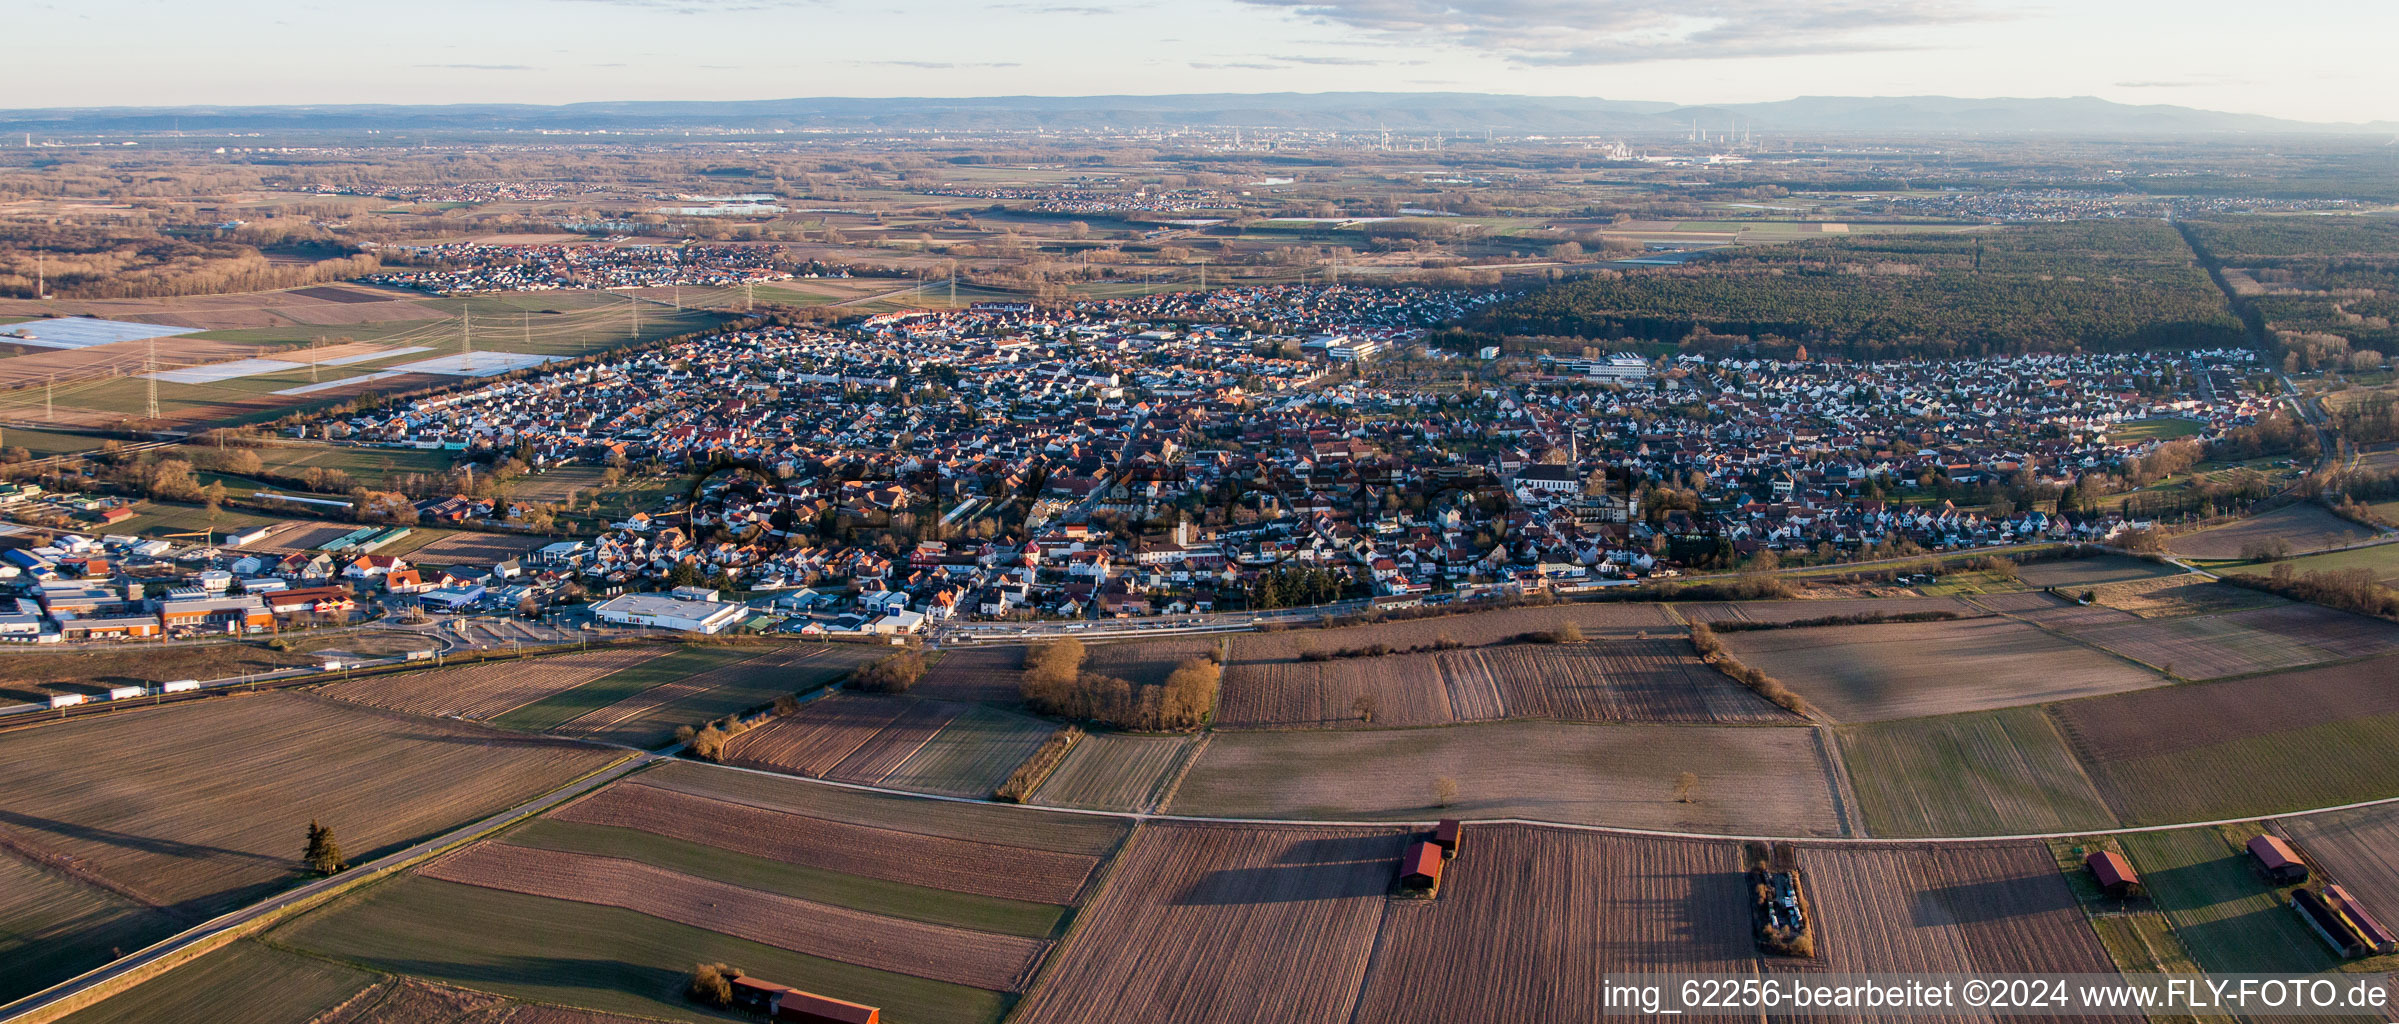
x,y
2319,60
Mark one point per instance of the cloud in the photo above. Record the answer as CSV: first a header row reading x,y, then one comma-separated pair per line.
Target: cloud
x,y
1236,66
1341,62
940,65
1590,32
2194,82
1076,10
705,6
480,67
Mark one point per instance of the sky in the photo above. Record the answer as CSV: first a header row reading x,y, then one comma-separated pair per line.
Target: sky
x,y
2314,60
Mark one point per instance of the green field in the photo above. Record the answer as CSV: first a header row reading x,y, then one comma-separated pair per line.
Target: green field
x,y
2337,762
53,927
2005,772
875,896
244,983
159,518
48,442
2229,920
2381,559
1114,772
973,754
2161,429
581,954
655,726
558,709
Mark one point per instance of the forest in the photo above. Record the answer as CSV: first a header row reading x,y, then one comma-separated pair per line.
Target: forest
x,y
2101,286
2325,286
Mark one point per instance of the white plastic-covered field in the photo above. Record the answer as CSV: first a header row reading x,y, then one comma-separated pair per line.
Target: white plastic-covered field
x,y
84,332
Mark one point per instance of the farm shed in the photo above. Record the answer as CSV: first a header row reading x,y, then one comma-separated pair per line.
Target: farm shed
x,y
1420,867
752,994
2276,858
2329,923
2113,873
2376,937
1448,833
809,1008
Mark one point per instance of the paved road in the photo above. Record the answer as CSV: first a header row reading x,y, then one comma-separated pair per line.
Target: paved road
x,y
202,932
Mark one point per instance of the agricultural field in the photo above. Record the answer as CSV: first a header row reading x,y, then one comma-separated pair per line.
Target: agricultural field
x,y
380,343
2337,633
54,925
933,911
410,1001
1999,908
2214,646
960,956
1222,913
2381,560
1748,779
587,955
2071,574
200,807
475,549
819,885
1627,681
649,718
843,736
1082,835
1397,690
972,754
2260,745
488,689
1913,669
2295,529
1658,680
2046,609
1816,608
2359,849
1473,629
247,982
986,674
574,703
2227,917
2167,597
1546,912
875,848
2006,772
1115,772
1148,662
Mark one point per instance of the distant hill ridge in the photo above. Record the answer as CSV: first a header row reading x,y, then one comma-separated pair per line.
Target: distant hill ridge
x,y
1407,112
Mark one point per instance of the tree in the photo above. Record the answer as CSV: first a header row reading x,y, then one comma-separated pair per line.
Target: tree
x,y
1364,706
324,854
1686,788
713,984
1445,791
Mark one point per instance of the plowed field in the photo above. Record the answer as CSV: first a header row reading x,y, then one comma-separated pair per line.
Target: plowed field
x,y
488,690
1229,921
957,955
933,861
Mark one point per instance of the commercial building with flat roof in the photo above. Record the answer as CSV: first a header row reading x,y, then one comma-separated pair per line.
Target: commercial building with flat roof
x,y
669,613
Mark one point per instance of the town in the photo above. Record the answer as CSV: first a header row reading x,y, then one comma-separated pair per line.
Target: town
x,y
1148,457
